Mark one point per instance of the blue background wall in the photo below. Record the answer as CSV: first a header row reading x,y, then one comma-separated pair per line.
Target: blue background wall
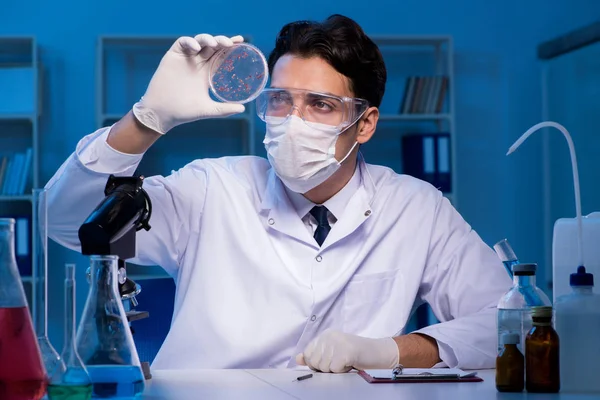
x,y
497,85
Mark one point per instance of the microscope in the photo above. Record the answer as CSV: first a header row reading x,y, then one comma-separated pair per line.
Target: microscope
x,y
111,230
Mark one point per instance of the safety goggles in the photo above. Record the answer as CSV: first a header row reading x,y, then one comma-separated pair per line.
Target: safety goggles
x,y
275,105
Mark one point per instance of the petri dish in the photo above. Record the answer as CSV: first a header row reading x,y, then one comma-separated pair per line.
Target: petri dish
x,y
238,73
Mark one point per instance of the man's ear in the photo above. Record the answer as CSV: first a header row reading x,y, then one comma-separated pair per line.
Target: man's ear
x,y
367,125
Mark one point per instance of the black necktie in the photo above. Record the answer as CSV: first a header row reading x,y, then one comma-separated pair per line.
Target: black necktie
x,y
323,228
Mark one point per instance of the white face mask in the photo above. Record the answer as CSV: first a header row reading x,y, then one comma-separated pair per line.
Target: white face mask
x,y
303,156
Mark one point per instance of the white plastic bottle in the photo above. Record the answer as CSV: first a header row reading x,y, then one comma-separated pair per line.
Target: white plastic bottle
x,y
577,322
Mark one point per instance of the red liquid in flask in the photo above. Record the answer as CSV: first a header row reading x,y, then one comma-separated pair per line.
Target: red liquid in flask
x,y
22,374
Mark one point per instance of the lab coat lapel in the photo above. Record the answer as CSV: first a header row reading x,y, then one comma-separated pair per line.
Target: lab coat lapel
x,y
280,213
358,209
355,214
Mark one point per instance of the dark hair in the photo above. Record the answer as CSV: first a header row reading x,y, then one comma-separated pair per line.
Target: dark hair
x,y
342,43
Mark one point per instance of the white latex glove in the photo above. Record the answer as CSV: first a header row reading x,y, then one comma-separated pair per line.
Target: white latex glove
x,y
178,90
335,351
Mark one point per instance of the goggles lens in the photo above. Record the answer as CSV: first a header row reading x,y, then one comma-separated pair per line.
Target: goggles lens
x,y
311,106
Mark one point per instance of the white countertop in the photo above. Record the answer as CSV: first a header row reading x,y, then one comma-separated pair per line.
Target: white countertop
x,y
271,384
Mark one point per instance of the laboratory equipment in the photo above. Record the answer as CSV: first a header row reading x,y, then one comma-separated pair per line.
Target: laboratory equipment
x,y
22,373
542,369
570,235
565,245
507,255
69,380
104,338
111,230
238,73
514,308
510,365
50,356
577,322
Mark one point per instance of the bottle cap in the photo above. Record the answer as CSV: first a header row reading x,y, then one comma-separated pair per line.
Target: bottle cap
x,y
510,338
524,269
582,278
541,311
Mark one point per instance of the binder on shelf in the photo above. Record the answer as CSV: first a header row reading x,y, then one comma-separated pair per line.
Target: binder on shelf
x,y
426,156
444,181
23,244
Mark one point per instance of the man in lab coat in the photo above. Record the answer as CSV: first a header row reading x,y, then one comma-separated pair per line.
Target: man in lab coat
x,y
312,257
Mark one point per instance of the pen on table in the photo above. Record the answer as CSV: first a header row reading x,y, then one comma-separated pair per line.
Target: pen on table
x,y
303,377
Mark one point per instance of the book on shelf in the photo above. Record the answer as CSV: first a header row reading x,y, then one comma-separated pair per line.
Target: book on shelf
x,y
15,171
424,95
426,156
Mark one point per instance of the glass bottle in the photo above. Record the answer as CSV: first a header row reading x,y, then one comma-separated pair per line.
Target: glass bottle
x,y
104,339
70,380
22,373
577,323
50,356
514,314
542,368
510,365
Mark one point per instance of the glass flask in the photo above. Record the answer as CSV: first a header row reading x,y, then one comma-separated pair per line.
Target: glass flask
x,y
104,339
50,356
22,373
70,380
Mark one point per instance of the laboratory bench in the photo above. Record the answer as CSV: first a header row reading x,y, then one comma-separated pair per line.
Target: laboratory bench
x,y
271,384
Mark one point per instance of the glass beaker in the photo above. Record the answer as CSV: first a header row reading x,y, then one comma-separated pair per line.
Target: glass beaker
x,y
70,380
104,339
50,356
22,373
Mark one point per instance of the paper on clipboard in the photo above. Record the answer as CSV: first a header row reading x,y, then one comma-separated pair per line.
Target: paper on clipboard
x,y
420,373
400,374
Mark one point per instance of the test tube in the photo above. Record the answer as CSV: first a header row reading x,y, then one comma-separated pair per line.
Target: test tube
x,y
507,255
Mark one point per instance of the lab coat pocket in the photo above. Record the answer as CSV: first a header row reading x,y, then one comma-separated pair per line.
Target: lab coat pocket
x,y
374,305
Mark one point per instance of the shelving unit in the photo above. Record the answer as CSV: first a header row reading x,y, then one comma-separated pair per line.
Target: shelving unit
x,y
405,57
415,117
20,110
415,56
125,65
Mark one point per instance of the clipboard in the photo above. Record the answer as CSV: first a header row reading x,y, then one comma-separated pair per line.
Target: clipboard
x,y
419,375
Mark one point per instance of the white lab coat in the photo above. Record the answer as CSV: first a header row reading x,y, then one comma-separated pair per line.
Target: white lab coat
x,y
253,286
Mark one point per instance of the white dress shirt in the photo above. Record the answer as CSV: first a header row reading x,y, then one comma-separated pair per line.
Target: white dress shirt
x,y
336,205
253,286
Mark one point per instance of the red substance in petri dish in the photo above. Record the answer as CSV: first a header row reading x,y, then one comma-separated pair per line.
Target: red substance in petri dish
x,y
22,374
